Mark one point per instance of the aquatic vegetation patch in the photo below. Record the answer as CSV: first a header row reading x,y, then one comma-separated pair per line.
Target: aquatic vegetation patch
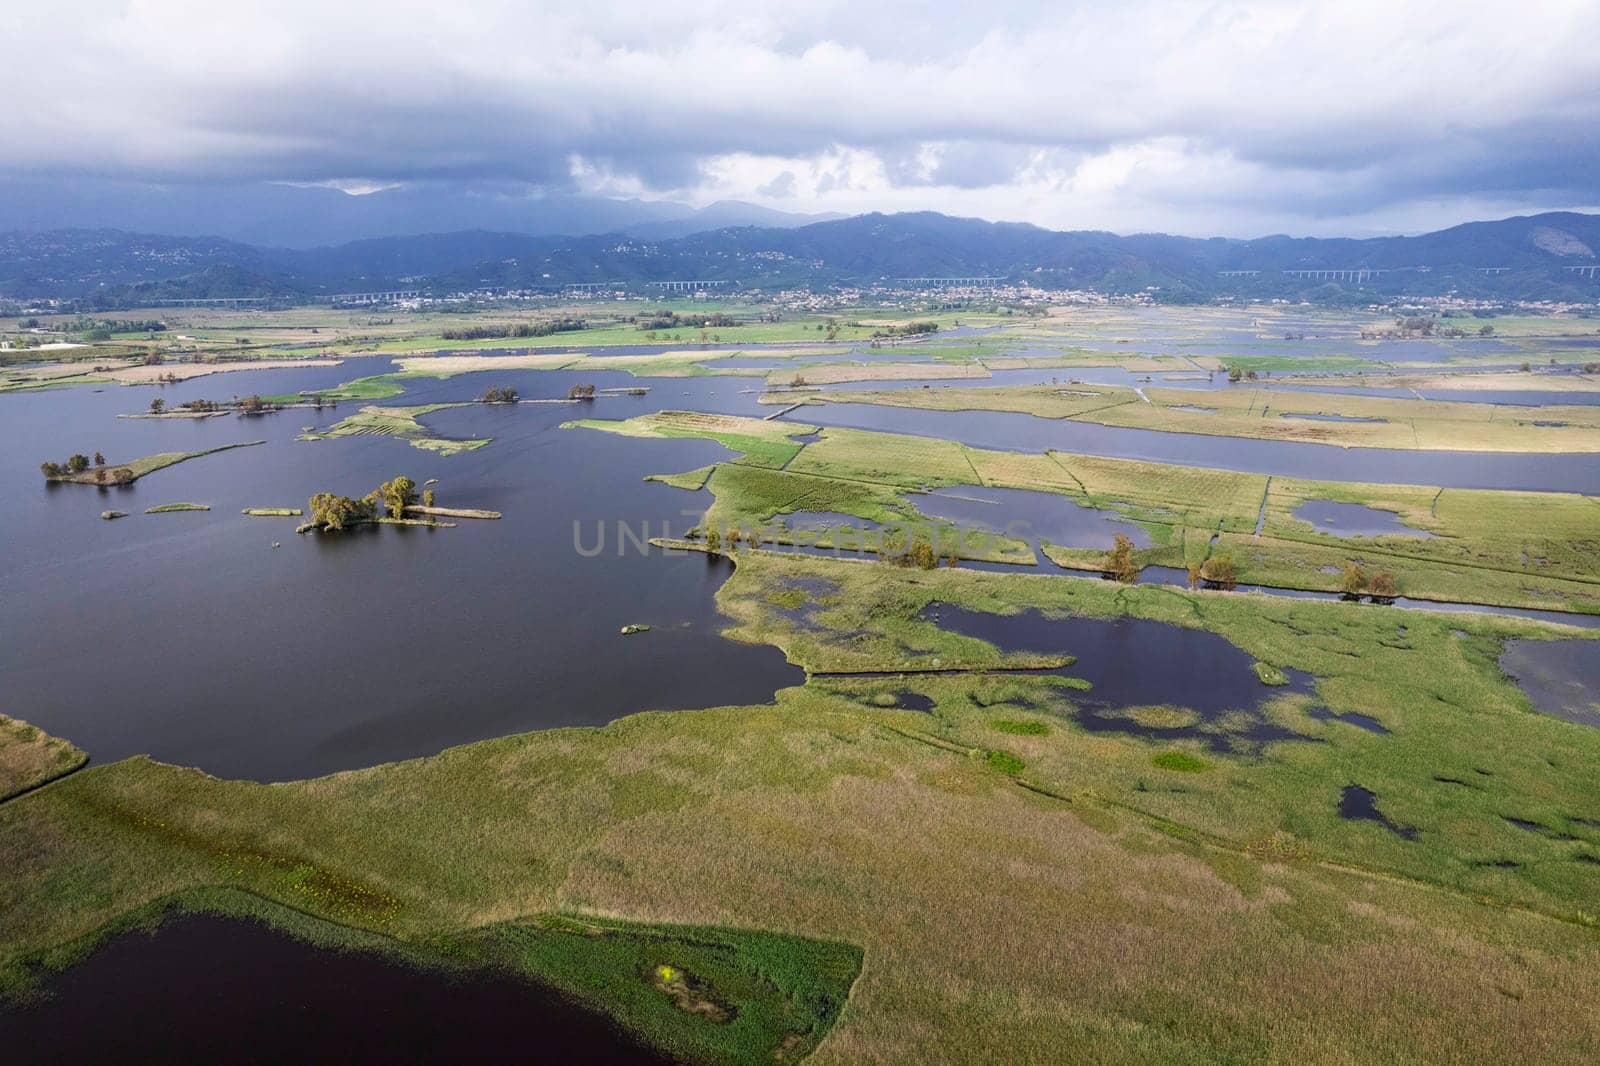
x,y
1020,728
167,508
1269,674
1180,762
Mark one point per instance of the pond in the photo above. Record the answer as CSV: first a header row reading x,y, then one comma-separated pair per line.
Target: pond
x,y
1028,515
1355,520
212,989
1361,805
1560,677
1328,418
1136,663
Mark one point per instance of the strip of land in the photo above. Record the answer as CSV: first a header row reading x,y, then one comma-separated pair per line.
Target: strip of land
x,y
1533,550
133,469
1309,417
30,757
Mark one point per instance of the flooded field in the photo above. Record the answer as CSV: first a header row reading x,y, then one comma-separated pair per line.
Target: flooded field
x,y
1146,679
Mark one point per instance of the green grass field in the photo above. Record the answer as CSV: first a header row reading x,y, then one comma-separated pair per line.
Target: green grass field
x,y
1200,905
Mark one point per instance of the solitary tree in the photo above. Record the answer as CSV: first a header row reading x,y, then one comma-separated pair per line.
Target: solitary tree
x,y
922,556
1218,572
99,460
158,406
1353,581
50,470
1120,564
427,497
77,464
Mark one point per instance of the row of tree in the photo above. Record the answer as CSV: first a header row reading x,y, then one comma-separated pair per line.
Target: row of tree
x,y
1355,583
542,328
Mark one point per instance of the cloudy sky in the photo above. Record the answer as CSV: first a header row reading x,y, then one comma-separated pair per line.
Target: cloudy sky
x,y
1225,117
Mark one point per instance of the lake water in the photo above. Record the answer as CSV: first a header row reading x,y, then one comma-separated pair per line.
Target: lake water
x,y
212,989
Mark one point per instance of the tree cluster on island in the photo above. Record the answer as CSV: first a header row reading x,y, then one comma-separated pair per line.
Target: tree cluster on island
x,y
255,405
500,394
581,392
77,463
332,513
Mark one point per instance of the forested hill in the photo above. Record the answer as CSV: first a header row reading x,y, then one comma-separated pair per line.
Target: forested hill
x,y
1515,258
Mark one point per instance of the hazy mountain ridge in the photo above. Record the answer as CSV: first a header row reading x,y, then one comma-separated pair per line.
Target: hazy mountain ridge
x,y
865,249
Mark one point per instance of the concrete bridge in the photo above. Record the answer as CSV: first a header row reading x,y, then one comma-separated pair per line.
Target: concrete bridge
x,y
216,301
985,279
388,297
1491,271
1238,273
1584,271
1354,274
688,286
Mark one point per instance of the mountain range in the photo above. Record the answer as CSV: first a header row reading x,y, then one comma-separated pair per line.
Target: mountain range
x,y
1514,258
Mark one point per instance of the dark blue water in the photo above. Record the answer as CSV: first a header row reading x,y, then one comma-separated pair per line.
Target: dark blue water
x,y
188,636
205,989
1360,804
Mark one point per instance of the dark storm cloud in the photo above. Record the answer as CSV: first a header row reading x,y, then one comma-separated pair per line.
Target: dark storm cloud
x,y
1290,110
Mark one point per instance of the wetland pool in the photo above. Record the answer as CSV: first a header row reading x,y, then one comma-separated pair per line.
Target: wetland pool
x,y
203,988
1136,663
